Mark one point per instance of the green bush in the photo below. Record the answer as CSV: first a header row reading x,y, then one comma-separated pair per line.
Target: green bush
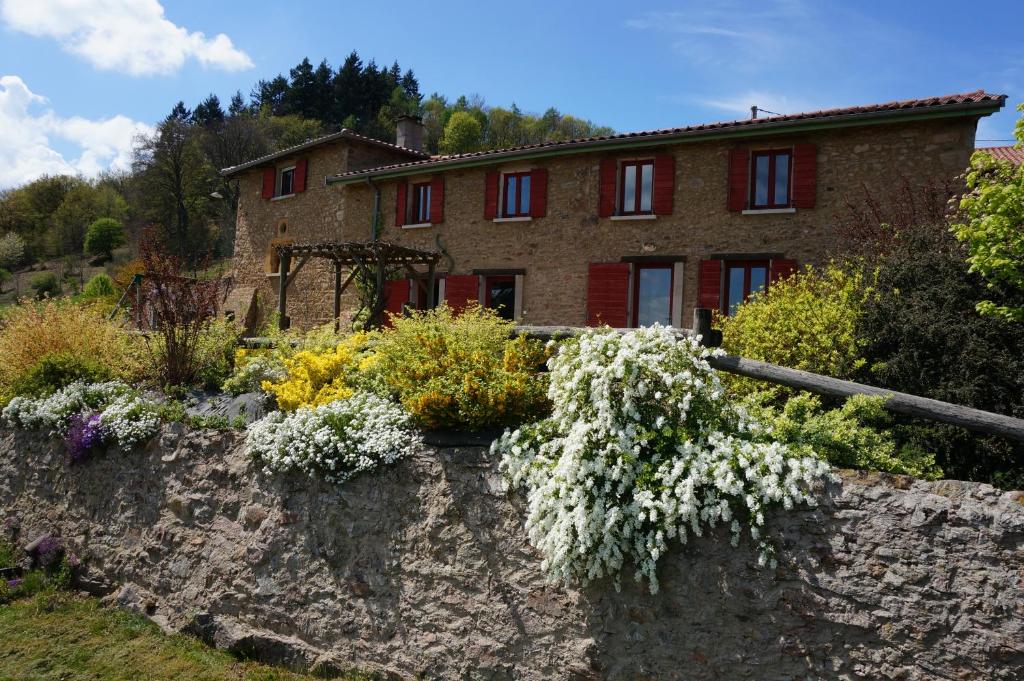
x,y
57,370
100,286
215,352
103,236
45,284
5,276
856,435
808,321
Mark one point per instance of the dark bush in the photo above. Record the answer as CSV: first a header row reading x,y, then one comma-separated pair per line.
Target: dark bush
x,y
57,370
45,284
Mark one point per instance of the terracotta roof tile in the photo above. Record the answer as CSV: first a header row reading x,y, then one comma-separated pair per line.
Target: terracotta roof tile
x,y
977,97
1014,155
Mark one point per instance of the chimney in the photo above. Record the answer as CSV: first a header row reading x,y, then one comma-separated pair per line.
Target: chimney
x,y
409,133
753,112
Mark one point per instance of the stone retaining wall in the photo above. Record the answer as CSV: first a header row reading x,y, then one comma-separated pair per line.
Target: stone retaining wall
x,y
423,570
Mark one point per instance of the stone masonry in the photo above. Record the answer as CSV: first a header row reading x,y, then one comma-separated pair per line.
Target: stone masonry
x,y
423,570
555,250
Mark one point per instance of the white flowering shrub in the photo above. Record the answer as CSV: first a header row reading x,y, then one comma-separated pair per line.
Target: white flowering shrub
x,y
129,420
334,441
53,412
249,377
642,449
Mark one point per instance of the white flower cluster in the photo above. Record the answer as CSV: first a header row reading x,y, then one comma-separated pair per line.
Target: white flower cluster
x,y
129,420
250,376
641,449
335,441
52,413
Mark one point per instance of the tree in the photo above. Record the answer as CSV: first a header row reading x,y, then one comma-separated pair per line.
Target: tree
x,y
103,236
12,250
991,224
462,134
83,205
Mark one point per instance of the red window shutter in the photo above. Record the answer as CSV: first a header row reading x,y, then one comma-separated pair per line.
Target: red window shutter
x,y
709,285
299,185
664,183
739,172
780,269
491,195
396,295
269,179
805,175
608,294
437,200
606,189
400,204
539,192
460,290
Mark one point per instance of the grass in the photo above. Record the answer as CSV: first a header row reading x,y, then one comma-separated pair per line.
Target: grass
x,y
56,635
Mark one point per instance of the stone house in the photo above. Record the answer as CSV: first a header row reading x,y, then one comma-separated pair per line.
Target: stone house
x,y
627,229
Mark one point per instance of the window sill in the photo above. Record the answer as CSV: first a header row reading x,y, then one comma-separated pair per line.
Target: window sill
x,y
418,225
769,211
273,274
282,197
521,218
642,216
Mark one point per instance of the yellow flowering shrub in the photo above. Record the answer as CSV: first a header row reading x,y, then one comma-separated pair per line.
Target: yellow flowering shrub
x,y
318,376
461,372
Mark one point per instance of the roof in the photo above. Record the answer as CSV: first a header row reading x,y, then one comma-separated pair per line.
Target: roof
x,y
1014,155
344,133
976,103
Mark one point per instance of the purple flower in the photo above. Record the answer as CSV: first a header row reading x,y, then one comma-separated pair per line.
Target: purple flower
x,y
49,552
14,583
84,435
73,560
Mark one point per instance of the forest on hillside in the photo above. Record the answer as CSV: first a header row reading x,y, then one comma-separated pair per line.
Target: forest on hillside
x,y
174,185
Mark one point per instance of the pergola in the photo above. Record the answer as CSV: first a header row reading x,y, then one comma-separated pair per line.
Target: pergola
x,y
373,259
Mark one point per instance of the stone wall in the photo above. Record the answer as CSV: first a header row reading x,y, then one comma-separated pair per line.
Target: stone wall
x,y
423,570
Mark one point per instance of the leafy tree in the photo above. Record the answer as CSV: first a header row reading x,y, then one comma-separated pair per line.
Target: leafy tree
x,y
45,284
81,206
209,112
99,286
991,224
103,237
12,250
463,133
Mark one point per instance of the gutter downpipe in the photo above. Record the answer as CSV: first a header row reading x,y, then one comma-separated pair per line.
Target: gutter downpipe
x,y
375,218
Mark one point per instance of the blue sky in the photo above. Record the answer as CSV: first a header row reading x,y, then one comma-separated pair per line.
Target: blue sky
x,y
78,78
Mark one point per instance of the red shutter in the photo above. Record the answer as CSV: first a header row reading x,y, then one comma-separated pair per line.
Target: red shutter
x,y
606,188
539,192
709,285
299,185
739,173
664,183
608,294
396,295
460,290
269,178
400,204
780,269
437,200
491,195
805,175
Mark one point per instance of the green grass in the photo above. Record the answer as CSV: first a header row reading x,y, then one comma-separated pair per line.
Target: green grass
x,y
56,635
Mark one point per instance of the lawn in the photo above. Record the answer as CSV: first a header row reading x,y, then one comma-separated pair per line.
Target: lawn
x,y
61,636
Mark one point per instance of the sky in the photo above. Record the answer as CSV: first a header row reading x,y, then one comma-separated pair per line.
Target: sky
x,y
79,79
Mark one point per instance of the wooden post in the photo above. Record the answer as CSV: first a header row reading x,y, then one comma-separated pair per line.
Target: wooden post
x,y
337,296
709,337
431,278
282,292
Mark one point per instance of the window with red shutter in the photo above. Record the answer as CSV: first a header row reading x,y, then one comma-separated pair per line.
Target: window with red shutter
x,y
491,195
516,194
299,183
664,183
400,204
396,296
709,284
460,290
437,200
608,294
539,193
739,166
636,188
421,203
805,175
781,269
269,180
743,278
770,173
606,189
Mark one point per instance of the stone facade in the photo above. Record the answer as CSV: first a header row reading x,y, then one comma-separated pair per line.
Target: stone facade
x,y
422,570
556,250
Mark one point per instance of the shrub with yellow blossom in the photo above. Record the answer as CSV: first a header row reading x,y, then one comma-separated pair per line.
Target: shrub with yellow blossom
x,y
317,377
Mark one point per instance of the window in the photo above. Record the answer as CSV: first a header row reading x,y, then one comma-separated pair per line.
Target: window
x,y
421,203
287,184
515,195
500,295
637,188
652,298
742,278
770,179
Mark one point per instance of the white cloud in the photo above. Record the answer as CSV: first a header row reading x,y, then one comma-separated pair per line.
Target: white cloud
x,y
26,149
132,36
